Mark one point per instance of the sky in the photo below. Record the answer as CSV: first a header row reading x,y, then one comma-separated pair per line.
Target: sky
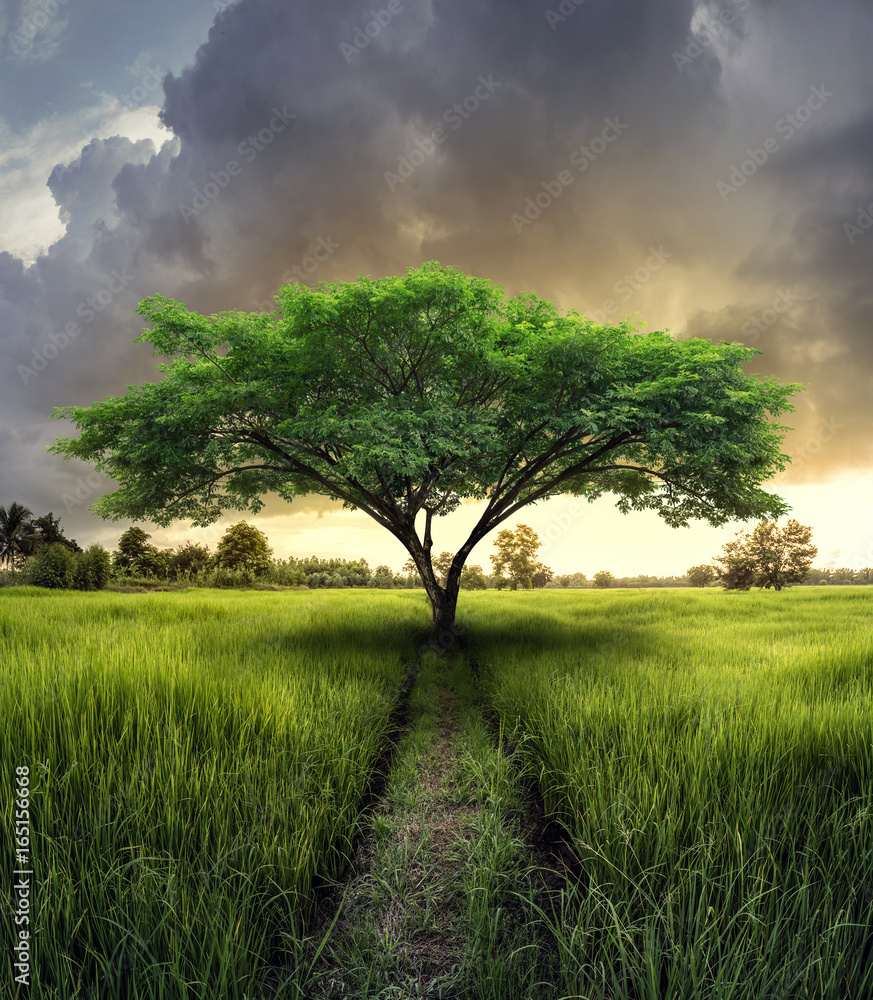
x,y
706,168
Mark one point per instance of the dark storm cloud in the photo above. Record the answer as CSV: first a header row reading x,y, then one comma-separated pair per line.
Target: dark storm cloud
x,y
327,142
828,249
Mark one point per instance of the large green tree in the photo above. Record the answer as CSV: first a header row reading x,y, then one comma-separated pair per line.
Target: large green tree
x,y
768,556
243,547
403,396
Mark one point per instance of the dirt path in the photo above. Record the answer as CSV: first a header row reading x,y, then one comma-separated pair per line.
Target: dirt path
x,y
434,901
401,922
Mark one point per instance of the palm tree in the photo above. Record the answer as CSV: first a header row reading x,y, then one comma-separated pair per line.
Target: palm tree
x,y
15,531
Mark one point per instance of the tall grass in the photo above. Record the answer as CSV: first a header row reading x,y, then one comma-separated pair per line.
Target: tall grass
x,y
197,762
711,758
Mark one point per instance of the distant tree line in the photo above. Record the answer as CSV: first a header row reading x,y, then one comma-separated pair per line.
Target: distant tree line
x,y
36,551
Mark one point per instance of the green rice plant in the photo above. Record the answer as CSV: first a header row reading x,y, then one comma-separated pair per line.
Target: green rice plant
x,y
710,757
197,763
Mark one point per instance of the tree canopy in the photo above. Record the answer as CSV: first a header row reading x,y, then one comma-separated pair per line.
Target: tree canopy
x,y
768,556
403,396
515,557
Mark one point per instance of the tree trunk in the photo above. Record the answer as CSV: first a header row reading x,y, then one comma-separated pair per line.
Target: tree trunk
x,y
444,608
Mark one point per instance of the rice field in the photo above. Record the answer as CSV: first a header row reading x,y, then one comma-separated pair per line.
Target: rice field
x,y
710,756
197,762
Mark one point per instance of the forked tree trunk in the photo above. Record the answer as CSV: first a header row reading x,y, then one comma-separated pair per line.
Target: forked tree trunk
x,y
443,600
444,608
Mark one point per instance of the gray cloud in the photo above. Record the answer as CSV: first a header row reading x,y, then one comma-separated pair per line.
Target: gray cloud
x,y
314,129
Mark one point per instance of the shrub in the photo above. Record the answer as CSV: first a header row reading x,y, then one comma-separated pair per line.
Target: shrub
x,y
188,560
91,568
52,566
135,556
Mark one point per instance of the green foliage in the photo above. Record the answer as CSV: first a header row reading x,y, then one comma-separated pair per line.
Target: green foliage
x,y
603,578
381,376
52,566
243,547
287,572
91,569
700,576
